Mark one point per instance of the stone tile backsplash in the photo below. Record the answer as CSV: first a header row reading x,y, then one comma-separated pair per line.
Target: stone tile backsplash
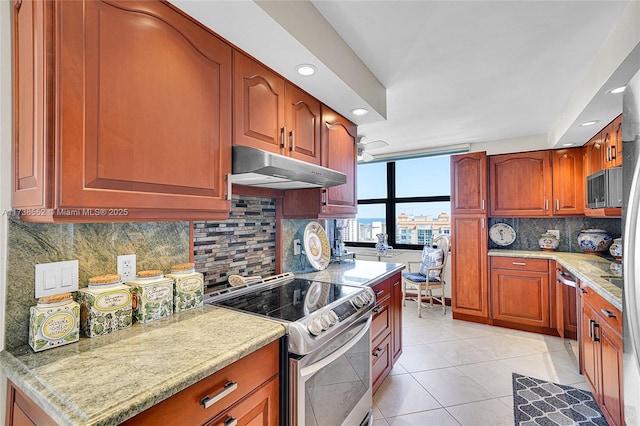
x,y
528,231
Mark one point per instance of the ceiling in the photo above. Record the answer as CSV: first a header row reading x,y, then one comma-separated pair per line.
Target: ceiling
x,y
442,74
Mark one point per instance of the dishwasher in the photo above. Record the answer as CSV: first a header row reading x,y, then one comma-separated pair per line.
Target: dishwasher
x,y
568,312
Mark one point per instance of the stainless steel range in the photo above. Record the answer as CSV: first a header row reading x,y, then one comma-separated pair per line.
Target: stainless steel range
x,y
329,344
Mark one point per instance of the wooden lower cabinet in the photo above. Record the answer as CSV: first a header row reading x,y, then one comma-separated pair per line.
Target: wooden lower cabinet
x,y
520,291
22,411
601,347
386,329
259,408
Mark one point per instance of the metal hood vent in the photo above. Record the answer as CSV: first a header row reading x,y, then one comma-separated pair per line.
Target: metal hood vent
x,y
254,167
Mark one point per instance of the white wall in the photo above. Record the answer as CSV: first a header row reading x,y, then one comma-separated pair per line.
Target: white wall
x,y
507,146
5,168
402,256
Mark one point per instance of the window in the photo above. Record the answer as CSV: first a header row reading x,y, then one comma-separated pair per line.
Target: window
x,y
407,199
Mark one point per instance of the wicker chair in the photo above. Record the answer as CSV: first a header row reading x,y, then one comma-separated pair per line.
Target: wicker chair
x,y
419,284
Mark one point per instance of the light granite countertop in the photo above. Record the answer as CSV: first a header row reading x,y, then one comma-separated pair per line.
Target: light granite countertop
x,y
587,267
108,379
355,272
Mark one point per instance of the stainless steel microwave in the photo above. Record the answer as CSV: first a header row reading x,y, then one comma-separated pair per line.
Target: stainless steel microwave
x,y
604,188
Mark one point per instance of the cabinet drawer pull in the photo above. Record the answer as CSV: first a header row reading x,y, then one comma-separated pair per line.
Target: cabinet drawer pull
x,y
607,313
231,421
520,263
378,352
377,309
208,401
292,141
379,293
557,204
595,337
283,137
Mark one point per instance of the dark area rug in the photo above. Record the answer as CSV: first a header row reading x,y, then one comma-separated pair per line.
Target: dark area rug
x,y
540,403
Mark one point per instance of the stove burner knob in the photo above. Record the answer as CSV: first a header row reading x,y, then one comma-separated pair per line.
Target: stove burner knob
x,y
314,327
333,318
324,321
366,296
358,301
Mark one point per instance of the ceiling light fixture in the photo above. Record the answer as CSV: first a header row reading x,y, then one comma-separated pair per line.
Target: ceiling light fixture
x,y
567,144
589,123
359,111
306,70
617,90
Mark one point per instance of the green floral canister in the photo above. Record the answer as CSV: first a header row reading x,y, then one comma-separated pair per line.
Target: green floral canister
x,y
54,321
188,287
105,305
152,296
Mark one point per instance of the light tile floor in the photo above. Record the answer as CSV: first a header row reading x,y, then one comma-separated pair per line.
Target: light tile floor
x,y
455,372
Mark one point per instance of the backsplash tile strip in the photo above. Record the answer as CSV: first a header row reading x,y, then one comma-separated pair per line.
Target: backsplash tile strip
x,y
95,245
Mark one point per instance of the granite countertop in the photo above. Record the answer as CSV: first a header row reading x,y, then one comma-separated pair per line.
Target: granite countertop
x,y
355,272
587,267
108,379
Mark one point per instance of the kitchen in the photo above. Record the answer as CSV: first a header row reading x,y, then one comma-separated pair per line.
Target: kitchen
x,y
180,235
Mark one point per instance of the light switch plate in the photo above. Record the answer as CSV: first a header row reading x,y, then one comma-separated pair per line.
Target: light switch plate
x,y
57,277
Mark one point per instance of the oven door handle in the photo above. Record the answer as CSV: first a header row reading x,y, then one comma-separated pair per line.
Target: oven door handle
x,y
316,366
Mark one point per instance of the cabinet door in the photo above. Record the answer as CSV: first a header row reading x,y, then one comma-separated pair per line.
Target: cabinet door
x,y
302,121
469,183
258,96
616,146
469,289
339,153
259,408
382,319
22,411
593,155
396,332
611,384
32,101
145,110
589,348
568,182
520,296
381,361
608,145
520,184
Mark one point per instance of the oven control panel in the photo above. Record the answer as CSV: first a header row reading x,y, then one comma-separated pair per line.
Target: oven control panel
x,y
322,321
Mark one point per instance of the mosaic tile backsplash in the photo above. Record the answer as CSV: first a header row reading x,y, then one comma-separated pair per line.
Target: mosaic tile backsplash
x,y
95,245
245,244
528,231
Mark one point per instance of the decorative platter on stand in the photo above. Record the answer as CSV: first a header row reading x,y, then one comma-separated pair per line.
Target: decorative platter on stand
x,y
316,246
502,234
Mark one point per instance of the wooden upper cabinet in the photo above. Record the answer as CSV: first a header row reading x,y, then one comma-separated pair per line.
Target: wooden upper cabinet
x,y
272,114
338,137
140,118
568,182
520,184
469,183
613,144
259,100
302,125
593,153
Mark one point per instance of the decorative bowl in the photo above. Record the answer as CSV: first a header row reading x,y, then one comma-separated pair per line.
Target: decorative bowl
x,y
548,242
616,248
594,241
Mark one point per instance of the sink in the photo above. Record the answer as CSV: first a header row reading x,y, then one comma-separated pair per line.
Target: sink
x,y
617,281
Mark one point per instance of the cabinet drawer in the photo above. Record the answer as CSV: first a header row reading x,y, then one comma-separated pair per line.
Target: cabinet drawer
x,y
260,408
382,290
381,361
610,314
381,324
520,263
247,373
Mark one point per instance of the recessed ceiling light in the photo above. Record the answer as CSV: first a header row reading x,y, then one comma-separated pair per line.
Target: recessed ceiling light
x,y
617,90
359,111
567,144
306,69
589,123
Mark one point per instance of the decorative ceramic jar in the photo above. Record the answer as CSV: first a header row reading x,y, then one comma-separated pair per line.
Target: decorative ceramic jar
x,y
548,242
616,248
54,321
594,241
151,296
105,305
188,287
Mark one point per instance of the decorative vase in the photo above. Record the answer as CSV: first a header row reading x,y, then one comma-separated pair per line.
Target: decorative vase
x,y
616,248
548,242
594,241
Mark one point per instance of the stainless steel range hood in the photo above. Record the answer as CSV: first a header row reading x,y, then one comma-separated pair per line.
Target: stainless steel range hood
x,y
255,167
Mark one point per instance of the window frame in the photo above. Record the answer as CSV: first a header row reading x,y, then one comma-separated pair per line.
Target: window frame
x,y
390,203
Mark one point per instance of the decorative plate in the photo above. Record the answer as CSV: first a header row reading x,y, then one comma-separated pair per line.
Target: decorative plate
x,y
316,246
502,234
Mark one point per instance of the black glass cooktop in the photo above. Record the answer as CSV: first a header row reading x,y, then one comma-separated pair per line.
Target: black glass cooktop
x,y
289,301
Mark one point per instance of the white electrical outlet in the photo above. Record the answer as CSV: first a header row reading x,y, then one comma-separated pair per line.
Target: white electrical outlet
x,y
554,232
57,277
296,247
127,266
